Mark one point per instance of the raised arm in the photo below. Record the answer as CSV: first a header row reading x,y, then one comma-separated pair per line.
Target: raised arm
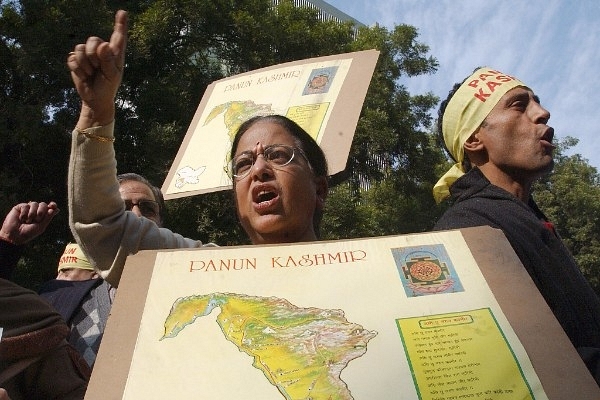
x,y
97,217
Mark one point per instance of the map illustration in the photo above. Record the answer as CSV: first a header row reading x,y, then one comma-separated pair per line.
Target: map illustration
x,y
301,351
236,112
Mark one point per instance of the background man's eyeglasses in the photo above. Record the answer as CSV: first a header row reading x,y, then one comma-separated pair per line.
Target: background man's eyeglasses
x,y
148,208
278,155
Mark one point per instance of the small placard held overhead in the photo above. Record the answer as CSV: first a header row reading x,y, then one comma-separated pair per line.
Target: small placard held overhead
x,y
323,95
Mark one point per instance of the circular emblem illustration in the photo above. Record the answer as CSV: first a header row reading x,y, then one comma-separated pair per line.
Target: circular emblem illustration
x,y
425,271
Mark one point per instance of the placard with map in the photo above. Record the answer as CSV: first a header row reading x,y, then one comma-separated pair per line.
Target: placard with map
x,y
323,95
438,316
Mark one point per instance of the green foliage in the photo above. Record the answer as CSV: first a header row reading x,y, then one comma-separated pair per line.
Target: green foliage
x,y
344,216
36,100
393,157
176,48
570,197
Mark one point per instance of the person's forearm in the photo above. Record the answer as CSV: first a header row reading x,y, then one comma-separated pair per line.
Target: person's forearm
x,y
94,199
99,116
97,217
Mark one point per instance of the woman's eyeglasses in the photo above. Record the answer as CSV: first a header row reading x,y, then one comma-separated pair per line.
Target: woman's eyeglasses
x,y
278,155
148,208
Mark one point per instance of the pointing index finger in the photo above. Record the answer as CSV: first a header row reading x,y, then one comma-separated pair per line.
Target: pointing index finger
x,y
118,39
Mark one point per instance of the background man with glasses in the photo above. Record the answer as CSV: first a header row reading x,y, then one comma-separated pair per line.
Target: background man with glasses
x,y
142,198
78,293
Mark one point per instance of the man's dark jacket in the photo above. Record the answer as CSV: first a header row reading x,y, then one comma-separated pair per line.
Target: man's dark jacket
x,y
36,362
575,305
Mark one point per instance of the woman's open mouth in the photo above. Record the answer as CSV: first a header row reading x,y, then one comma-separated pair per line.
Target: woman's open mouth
x,y
264,197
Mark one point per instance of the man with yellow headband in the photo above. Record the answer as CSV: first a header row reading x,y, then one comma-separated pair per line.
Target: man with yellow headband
x,y
496,131
74,266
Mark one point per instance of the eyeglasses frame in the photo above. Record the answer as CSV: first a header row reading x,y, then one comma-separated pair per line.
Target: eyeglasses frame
x,y
127,208
229,167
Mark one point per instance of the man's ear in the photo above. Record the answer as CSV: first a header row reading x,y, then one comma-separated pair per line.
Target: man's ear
x,y
322,189
474,143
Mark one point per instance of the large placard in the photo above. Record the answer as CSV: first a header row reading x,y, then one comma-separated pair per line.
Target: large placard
x,y
435,316
324,95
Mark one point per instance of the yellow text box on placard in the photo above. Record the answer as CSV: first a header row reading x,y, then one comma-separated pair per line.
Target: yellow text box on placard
x,y
462,356
310,117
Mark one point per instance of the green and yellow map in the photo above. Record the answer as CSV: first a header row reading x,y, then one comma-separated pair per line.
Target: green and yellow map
x,y
236,112
301,351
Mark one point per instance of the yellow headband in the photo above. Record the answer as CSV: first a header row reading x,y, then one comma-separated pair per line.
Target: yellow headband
x,y
73,257
465,112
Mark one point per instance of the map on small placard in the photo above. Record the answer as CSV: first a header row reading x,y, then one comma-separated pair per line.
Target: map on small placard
x,y
323,95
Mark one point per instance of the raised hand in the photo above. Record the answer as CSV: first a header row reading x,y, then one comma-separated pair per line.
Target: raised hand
x,y
97,69
25,221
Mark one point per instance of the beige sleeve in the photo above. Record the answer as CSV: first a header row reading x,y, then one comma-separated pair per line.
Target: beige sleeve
x,y
97,217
